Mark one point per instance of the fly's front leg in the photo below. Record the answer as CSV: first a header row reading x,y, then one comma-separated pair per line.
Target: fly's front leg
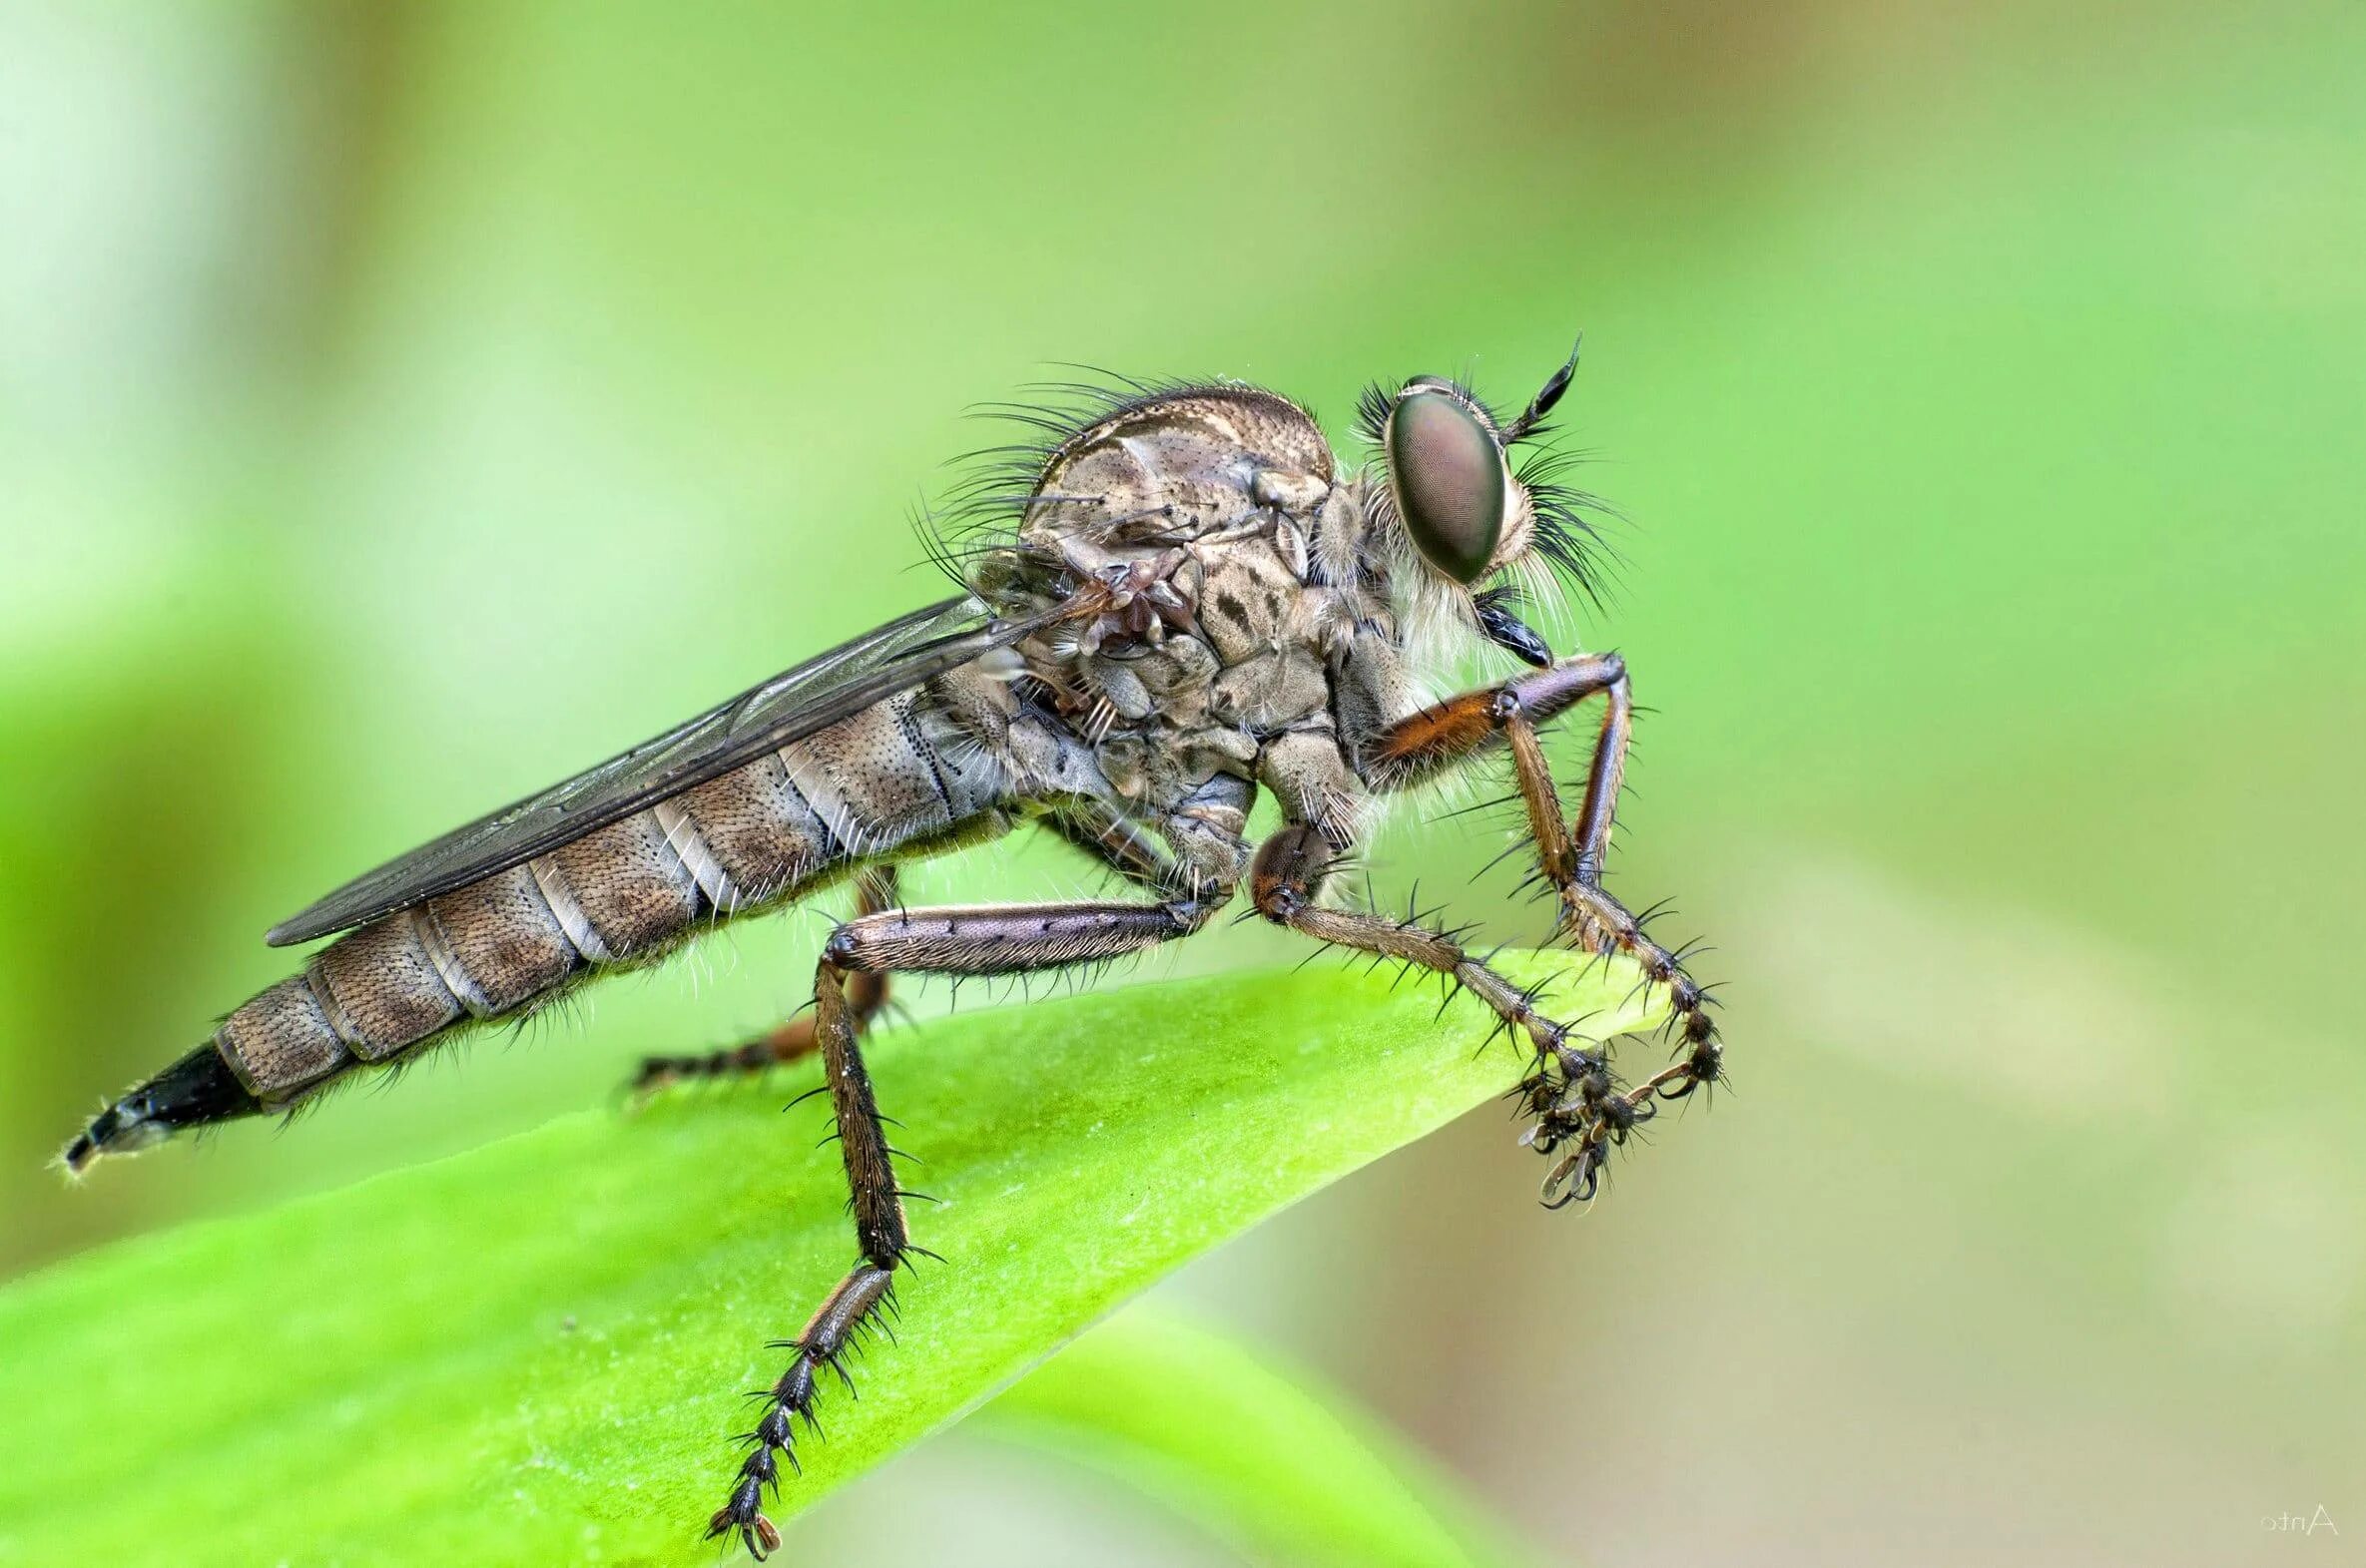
x,y
867,995
1570,1090
1451,732
986,939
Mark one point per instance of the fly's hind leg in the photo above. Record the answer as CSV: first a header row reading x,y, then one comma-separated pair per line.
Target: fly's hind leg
x,y
986,939
867,995
1451,732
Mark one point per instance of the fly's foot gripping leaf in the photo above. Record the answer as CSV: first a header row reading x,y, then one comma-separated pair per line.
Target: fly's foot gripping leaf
x,y
1581,1111
854,1310
1577,1102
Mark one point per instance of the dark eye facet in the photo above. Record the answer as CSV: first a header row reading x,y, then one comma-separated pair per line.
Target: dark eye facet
x,y
1448,476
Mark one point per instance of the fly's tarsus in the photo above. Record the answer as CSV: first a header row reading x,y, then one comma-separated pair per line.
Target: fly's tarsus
x,y
790,1042
836,1330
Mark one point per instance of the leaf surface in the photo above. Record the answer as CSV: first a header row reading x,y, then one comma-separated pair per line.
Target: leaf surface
x,y
536,1352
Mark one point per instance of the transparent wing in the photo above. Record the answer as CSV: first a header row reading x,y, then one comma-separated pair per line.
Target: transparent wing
x,y
792,703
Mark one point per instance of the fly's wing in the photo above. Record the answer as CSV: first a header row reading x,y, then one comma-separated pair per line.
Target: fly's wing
x,y
821,691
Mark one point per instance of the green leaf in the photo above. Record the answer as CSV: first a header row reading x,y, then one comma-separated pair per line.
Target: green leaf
x,y
1280,1468
536,1351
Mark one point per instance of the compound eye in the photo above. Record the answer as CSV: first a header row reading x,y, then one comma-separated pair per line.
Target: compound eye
x,y
1447,474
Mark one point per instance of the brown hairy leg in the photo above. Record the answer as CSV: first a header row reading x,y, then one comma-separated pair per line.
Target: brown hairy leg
x,y
867,995
1569,1089
984,940
1451,732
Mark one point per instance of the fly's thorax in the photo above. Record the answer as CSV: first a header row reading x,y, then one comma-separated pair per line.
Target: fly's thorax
x,y
1169,709
1181,464
1267,627
1239,571
1132,499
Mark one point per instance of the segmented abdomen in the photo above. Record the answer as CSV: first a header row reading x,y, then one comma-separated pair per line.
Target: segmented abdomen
x,y
620,895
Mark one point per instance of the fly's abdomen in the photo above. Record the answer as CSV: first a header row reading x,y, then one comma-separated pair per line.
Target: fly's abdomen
x,y
620,895
497,945
282,1040
871,780
492,949
753,836
901,777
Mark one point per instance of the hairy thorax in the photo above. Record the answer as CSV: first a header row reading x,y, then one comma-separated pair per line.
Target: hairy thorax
x,y
1215,524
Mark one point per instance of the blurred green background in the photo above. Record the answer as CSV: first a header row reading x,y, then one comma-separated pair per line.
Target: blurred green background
x,y
401,406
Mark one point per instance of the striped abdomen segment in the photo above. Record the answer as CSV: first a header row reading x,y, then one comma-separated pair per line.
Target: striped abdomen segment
x,y
619,895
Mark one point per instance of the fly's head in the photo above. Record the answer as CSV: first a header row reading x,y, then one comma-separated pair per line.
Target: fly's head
x,y
1468,530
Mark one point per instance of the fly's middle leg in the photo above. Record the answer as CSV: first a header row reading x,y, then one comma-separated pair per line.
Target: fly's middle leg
x,y
986,939
867,996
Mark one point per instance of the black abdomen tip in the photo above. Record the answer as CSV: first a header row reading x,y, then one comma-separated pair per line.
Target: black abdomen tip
x,y
196,1091
84,1149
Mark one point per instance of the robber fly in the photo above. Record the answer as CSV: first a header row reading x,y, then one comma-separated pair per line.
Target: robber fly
x,y
1176,598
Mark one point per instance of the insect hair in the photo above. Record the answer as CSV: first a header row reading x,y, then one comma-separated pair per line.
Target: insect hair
x,y
998,483
1567,537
